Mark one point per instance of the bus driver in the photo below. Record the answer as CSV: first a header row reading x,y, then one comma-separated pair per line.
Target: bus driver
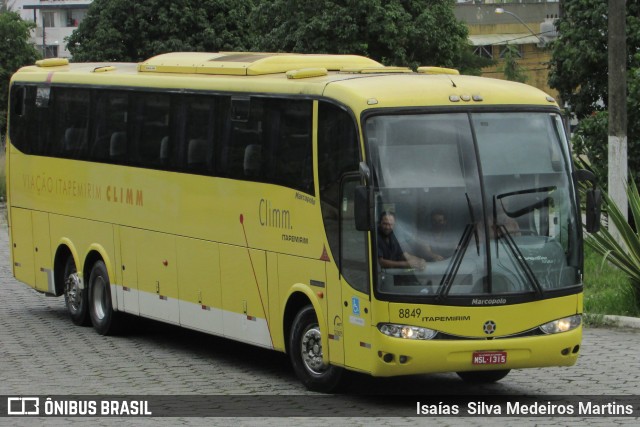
x,y
390,253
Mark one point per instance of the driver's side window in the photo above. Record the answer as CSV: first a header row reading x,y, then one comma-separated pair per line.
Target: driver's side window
x,y
353,250
338,161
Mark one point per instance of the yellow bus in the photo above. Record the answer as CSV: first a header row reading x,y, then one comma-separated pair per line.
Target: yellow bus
x,y
355,216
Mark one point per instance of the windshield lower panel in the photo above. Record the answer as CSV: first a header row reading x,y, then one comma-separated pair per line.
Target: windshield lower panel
x,y
473,205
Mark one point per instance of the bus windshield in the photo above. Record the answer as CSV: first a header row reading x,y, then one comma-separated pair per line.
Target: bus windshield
x,y
470,205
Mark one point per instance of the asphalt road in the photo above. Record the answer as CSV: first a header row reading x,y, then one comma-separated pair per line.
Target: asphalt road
x,y
43,353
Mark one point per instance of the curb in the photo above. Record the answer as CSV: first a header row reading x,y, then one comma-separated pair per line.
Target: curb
x,y
623,321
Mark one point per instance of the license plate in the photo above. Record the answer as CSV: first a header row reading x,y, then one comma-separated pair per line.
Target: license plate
x,y
489,358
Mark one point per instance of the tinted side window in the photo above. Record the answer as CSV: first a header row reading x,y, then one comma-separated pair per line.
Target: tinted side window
x,y
243,152
291,150
22,105
69,114
203,124
111,122
147,141
29,119
269,140
337,155
256,139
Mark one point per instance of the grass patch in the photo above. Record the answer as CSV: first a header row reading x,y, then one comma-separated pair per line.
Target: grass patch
x,y
606,290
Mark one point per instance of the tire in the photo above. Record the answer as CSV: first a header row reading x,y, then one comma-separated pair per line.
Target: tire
x,y
105,321
75,297
305,352
483,377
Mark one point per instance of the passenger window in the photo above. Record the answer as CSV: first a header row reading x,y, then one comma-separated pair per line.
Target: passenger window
x,y
111,127
151,119
198,134
18,100
244,140
291,150
70,122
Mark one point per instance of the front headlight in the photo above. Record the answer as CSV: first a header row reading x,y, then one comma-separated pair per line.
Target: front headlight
x,y
406,331
562,325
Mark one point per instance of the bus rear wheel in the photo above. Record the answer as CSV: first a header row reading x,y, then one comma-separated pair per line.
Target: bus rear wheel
x,y
483,377
305,351
75,295
104,319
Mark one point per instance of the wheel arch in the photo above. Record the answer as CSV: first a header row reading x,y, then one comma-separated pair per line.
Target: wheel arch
x,y
63,252
98,253
298,298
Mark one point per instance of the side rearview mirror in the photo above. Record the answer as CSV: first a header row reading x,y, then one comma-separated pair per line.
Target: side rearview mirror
x,y
594,200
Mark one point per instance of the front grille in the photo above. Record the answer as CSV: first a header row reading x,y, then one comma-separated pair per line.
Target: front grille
x,y
530,333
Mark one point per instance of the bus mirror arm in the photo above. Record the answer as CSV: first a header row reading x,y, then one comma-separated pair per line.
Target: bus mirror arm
x,y
362,202
594,200
365,172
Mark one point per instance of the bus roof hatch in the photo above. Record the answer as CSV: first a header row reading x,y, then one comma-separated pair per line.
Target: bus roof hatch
x,y
250,64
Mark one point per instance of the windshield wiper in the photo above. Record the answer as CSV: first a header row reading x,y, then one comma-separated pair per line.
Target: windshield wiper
x,y
461,249
511,244
456,261
527,209
503,232
473,222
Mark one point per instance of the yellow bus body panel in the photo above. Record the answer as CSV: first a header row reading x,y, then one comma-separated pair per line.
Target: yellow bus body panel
x,y
468,321
457,355
226,256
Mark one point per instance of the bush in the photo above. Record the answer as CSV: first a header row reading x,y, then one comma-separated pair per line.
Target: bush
x,y
624,255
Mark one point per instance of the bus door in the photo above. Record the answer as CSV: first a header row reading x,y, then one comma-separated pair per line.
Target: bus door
x,y
354,275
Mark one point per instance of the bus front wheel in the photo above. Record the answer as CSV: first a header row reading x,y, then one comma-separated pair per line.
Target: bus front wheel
x,y
483,377
104,319
75,295
305,351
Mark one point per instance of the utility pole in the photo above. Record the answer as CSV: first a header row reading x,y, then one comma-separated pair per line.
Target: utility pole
x,y
617,104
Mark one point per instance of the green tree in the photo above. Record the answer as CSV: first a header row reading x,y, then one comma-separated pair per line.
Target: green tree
x,y
15,52
124,30
395,32
579,71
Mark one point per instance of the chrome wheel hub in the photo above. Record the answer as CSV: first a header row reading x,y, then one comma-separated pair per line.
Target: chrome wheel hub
x,y
73,291
312,351
99,305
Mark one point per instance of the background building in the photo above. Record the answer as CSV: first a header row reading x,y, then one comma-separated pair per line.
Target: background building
x,y
55,20
527,26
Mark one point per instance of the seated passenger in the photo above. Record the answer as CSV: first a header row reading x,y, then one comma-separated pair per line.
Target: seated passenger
x,y
509,223
439,241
